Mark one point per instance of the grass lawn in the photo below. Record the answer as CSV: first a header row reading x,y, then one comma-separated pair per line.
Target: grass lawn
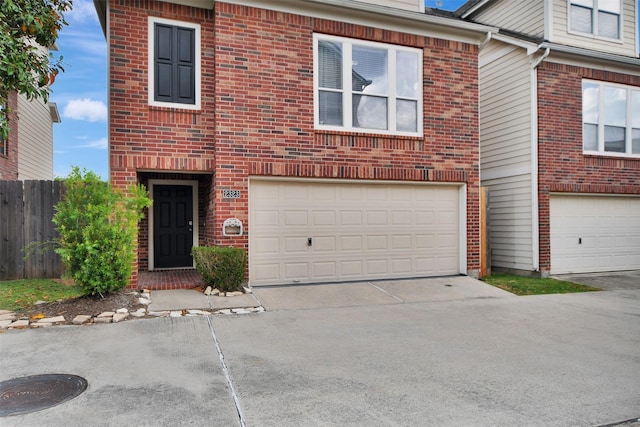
x,y
17,294
520,285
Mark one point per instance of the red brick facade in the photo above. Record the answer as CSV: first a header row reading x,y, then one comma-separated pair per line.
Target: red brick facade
x,y
563,168
257,114
9,160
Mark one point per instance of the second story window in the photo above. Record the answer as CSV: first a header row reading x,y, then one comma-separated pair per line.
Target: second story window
x,y
364,86
610,119
598,17
174,64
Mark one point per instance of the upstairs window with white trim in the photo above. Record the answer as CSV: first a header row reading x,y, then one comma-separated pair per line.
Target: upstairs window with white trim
x,y
602,18
363,86
611,119
174,64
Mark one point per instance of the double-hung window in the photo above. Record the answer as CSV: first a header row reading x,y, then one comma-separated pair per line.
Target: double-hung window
x,y
363,86
598,17
174,63
610,119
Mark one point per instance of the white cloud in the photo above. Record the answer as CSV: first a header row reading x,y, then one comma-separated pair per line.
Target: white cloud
x,y
82,11
100,144
86,109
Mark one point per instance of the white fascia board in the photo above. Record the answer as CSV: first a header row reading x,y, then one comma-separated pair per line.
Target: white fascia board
x,y
529,46
372,15
474,8
592,55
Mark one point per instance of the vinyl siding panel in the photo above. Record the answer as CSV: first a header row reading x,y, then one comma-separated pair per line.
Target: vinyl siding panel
x,y
505,154
561,35
523,16
510,222
413,5
35,140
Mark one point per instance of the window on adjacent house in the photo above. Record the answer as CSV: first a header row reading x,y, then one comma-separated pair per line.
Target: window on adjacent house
x,y
611,118
367,87
174,63
598,17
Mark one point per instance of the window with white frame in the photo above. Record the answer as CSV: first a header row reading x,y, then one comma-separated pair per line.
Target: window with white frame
x,y
174,63
611,118
364,86
598,17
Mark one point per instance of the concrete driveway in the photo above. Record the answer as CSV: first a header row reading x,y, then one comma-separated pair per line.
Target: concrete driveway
x,y
608,281
478,358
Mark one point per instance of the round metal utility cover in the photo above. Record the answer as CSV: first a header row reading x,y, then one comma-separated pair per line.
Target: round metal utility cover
x,y
37,392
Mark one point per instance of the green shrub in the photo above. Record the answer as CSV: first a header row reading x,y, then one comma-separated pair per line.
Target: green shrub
x,y
98,226
221,268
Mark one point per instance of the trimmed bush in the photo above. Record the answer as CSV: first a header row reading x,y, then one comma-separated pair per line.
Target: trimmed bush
x,y
221,268
98,226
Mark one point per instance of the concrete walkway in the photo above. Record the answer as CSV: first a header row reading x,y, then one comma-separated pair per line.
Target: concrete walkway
x,y
329,295
396,357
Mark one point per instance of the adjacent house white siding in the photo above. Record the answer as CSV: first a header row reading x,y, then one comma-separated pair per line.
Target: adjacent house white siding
x,y
413,5
626,46
35,140
505,154
523,16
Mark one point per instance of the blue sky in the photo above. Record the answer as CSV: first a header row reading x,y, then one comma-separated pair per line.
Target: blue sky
x,y
81,91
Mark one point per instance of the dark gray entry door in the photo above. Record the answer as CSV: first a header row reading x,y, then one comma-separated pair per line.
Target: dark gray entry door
x,y
172,226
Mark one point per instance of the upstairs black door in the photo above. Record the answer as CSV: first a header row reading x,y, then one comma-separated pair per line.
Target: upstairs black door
x,y
172,226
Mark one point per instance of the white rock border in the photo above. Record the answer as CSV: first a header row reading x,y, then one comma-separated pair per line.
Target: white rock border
x,y
9,320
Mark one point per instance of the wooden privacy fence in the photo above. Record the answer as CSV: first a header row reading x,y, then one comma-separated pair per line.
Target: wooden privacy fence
x,y
26,211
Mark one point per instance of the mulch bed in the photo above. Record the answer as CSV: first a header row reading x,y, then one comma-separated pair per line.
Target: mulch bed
x,y
88,305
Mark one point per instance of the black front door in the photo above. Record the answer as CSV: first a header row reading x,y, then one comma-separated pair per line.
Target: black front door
x,y
172,226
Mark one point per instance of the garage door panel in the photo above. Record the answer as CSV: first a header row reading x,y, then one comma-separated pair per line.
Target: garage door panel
x,y
324,244
401,218
377,218
296,270
351,243
425,241
594,233
323,218
401,242
424,217
351,269
267,245
359,231
376,243
350,218
377,266
264,218
401,266
324,270
294,244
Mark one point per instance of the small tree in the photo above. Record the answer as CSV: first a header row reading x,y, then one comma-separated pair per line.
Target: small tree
x,y
27,29
98,226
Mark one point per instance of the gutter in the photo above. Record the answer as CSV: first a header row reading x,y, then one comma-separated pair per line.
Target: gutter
x,y
605,56
542,57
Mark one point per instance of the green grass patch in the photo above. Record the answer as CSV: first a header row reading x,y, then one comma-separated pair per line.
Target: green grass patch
x,y
521,285
19,294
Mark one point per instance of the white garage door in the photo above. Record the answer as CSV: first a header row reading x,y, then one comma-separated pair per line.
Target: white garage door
x,y
311,232
593,233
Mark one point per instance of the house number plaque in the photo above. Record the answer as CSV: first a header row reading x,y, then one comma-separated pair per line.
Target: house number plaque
x,y
231,194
